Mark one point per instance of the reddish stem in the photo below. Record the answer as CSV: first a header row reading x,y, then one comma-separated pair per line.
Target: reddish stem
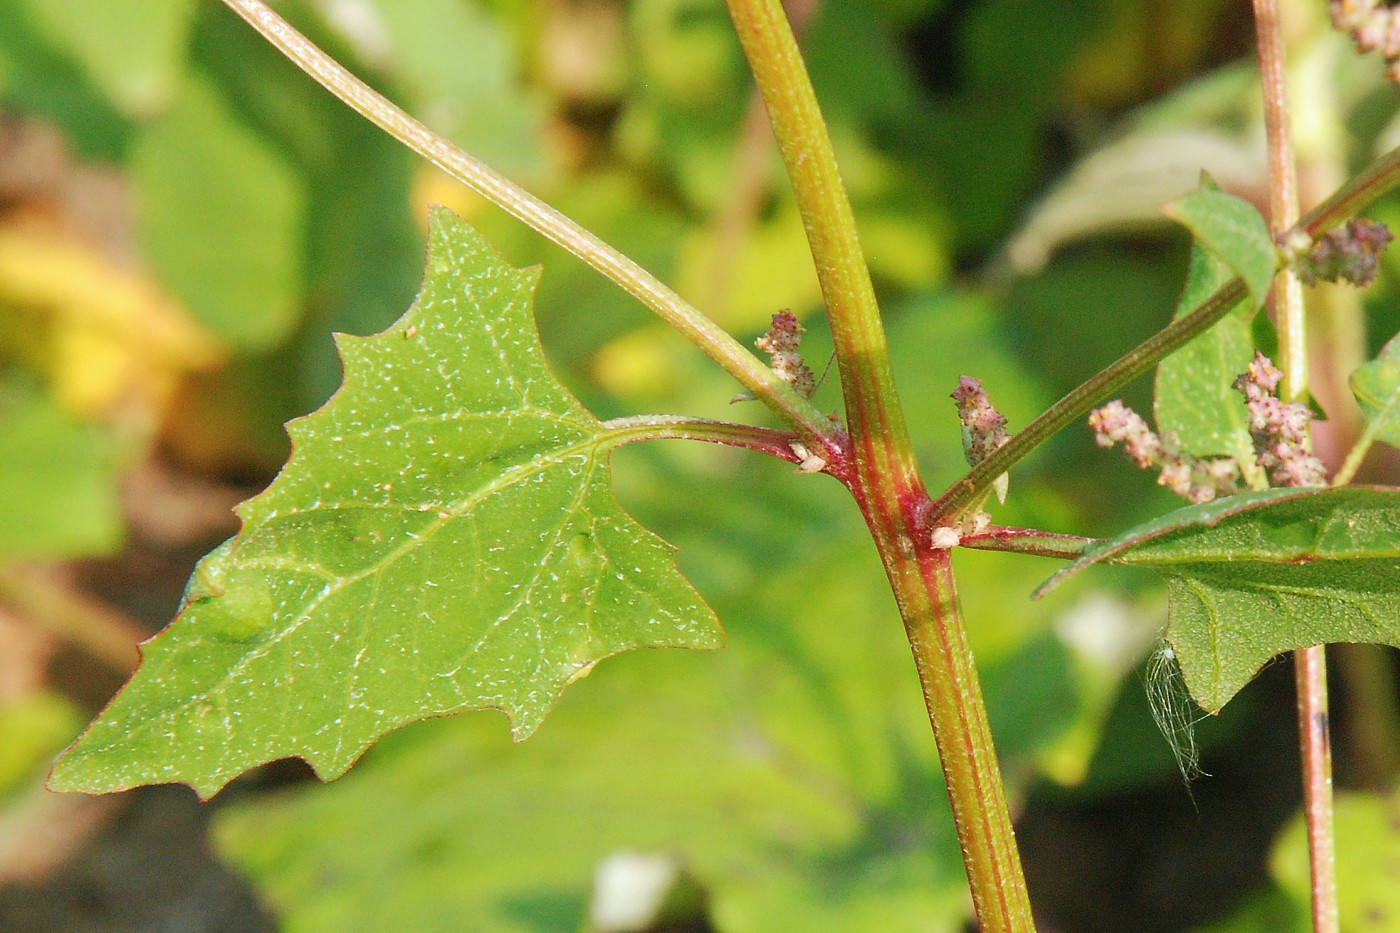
x,y
1310,664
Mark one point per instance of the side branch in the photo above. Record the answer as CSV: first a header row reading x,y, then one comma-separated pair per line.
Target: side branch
x,y
785,445
1085,396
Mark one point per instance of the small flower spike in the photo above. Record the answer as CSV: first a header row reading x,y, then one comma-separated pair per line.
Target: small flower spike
x,y
1279,429
1350,253
781,343
1194,479
983,427
1373,26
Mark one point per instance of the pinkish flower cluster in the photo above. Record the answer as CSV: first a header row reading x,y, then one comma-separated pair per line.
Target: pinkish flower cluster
x,y
1279,429
984,428
1193,478
1350,253
1373,26
781,343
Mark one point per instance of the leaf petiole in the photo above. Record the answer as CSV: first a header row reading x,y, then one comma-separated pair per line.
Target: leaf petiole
x,y
834,456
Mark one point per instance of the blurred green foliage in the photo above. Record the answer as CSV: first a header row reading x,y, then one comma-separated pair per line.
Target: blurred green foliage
x,y
791,775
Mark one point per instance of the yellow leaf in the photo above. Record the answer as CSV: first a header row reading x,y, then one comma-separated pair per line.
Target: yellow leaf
x,y
107,337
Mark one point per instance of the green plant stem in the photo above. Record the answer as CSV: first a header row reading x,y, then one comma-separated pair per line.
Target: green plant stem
x,y
885,478
751,372
1314,738
1347,471
1309,664
1085,396
1377,180
874,418
953,696
1283,198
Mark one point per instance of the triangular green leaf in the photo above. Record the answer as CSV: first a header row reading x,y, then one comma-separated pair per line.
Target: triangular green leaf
x,y
789,775
443,539
1255,575
1376,386
1233,231
1194,399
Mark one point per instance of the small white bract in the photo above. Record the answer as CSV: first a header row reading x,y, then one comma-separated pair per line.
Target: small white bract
x,y
811,463
944,538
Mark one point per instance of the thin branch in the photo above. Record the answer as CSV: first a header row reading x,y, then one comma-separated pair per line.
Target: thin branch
x,y
1377,180
1283,198
1357,455
1382,177
1085,396
712,339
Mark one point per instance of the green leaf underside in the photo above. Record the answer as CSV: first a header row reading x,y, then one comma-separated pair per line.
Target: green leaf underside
x,y
1376,386
1193,396
1233,231
443,539
1255,575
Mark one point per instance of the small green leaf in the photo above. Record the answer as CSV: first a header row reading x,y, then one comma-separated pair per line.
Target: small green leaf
x,y
1233,231
1255,575
1194,399
1376,386
443,539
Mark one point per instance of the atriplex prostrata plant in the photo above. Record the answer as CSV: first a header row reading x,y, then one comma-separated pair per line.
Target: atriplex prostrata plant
x,y
444,538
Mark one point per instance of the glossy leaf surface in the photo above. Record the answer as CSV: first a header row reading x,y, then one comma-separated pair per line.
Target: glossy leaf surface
x,y
443,539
